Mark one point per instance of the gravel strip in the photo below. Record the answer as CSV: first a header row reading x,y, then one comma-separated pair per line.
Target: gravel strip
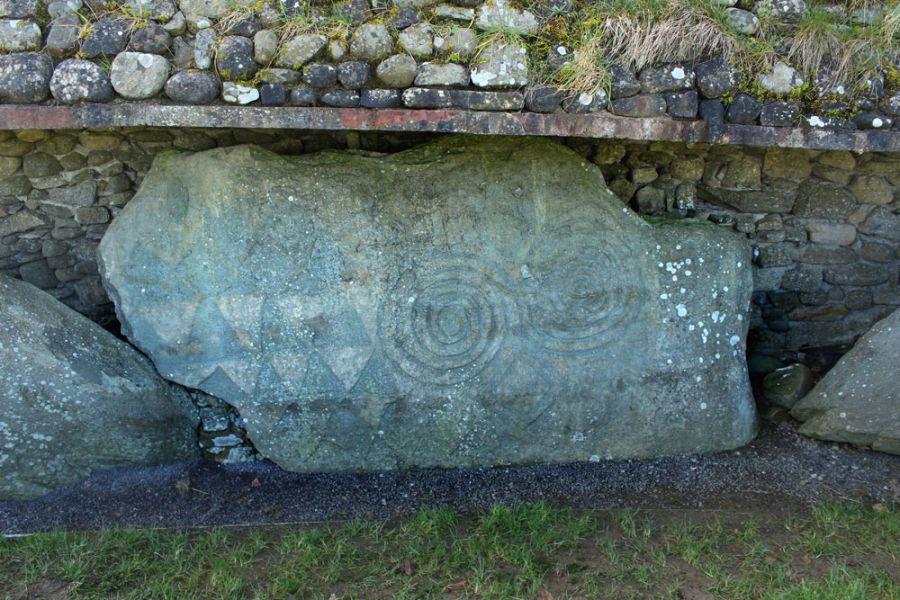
x,y
780,470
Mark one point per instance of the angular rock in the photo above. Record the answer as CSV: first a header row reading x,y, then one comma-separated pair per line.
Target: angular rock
x,y
779,114
151,38
416,97
354,74
273,94
234,93
204,44
882,222
585,102
300,50
62,39
418,40
138,76
624,83
303,96
857,400
668,78
544,99
743,21
786,385
501,65
713,113
391,312
782,79
397,71
716,77
17,35
789,11
498,15
18,9
265,45
340,98
461,41
158,10
371,42
443,75
320,75
823,201
75,399
379,98
683,105
25,78
744,110
108,36
76,80
234,58
644,105
193,87
872,120
477,100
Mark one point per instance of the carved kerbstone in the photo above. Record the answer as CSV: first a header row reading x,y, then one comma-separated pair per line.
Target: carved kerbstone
x,y
467,302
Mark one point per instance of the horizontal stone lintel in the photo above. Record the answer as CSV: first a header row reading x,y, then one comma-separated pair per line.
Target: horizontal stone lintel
x,y
600,125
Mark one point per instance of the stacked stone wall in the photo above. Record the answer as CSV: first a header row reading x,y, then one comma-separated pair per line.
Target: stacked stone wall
x,y
825,225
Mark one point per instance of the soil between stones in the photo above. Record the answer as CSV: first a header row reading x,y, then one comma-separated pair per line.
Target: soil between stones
x,y
778,471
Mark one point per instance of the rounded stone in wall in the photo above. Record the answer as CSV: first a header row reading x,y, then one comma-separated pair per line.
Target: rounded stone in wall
x,y
78,80
25,78
192,87
138,75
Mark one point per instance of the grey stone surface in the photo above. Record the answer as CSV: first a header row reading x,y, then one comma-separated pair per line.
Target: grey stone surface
x,y
19,35
107,36
234,58
397,71
467,302
139,75
192,87
498,15
300,50
786,385
441,74
857,401
62,39
782,79
25,77
75,399
371,42
76,80
501,65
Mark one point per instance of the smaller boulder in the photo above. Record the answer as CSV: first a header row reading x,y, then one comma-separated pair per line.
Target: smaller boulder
x,y
857,401
371,42
786,385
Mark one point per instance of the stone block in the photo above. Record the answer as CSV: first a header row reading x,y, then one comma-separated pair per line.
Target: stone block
x,y
394,312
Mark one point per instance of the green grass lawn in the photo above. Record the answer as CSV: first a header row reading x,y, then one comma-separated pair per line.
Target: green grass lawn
x,y
529,551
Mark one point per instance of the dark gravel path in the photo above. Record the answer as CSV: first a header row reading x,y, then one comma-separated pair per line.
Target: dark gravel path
x,y
778,471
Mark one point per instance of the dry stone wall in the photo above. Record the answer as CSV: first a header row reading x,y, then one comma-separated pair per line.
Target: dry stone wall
x,y
496,55
825,225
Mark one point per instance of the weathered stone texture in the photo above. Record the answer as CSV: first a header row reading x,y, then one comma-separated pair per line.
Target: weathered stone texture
x,y
857,400
75,399
468,302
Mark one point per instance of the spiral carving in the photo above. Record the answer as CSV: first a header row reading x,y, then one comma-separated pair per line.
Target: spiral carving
x,y
580,294
445,325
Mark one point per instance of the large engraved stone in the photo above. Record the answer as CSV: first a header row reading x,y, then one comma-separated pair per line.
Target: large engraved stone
x,y
467,302
74,399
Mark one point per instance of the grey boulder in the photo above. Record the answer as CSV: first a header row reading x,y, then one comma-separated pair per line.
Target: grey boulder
x,y
78,80
75,399
467,302
25,77
858,400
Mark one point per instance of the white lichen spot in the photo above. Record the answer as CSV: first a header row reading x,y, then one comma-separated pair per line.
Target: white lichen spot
x,y
703,406
681,310
678,73
734,340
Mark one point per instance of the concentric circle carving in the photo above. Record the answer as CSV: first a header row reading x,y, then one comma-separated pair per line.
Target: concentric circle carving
x,y
582,291
445,323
